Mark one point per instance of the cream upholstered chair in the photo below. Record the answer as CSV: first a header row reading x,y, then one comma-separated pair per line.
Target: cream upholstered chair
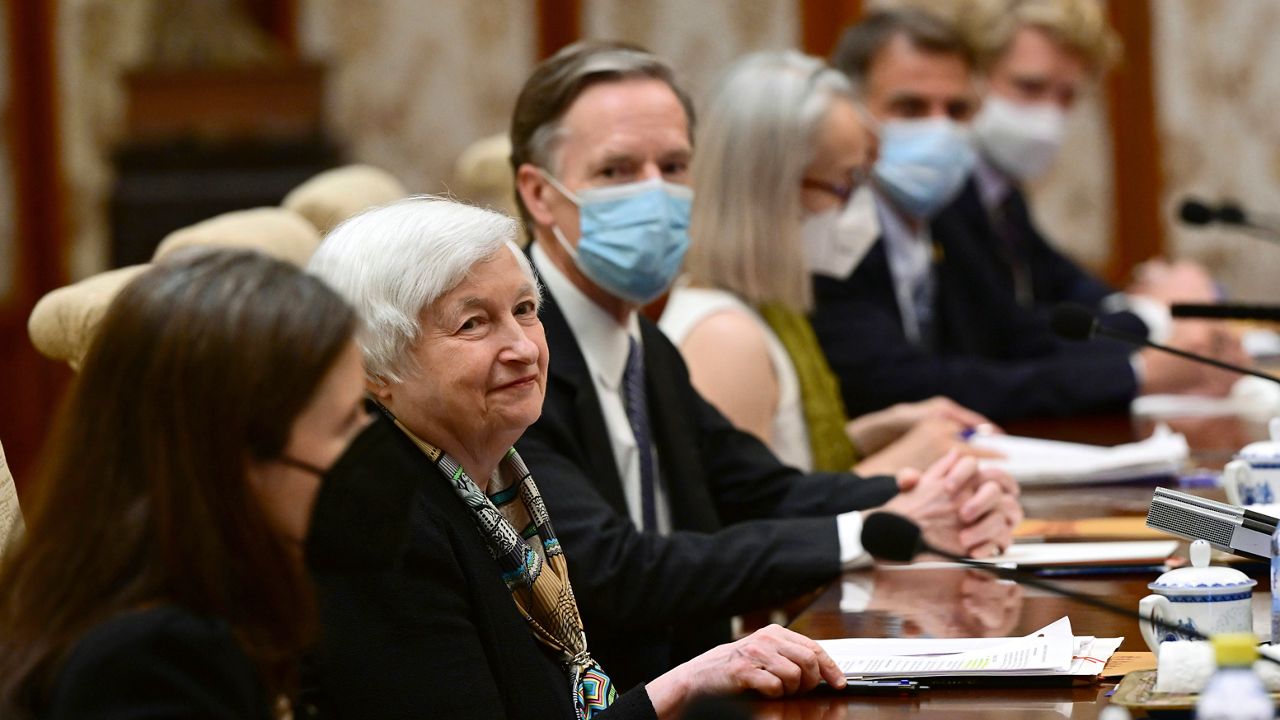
x,y
10,515
335,195
278,232
483,174
62,324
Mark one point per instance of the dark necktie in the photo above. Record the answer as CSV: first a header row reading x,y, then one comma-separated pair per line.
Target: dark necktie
x,y
638,415
1006,222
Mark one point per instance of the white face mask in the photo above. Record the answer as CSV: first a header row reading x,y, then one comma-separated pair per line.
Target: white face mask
x,y
836,240
1022,140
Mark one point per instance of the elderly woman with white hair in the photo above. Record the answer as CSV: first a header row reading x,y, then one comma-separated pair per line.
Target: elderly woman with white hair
x,y
761,222
479,620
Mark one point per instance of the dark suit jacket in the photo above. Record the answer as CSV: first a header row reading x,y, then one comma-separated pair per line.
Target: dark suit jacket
x,y
439,635
1054,277
988,353
162,662
749,532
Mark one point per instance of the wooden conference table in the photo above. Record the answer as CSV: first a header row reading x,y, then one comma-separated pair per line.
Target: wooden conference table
x,y
908,602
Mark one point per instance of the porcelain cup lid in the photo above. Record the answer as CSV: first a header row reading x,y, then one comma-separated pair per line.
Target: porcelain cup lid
x,y
1264,451
1201,578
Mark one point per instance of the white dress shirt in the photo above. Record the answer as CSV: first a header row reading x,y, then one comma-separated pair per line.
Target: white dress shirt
x,y
605,344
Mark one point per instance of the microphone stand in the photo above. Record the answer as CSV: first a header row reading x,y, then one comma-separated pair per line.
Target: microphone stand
x,y
1103,330
1023,578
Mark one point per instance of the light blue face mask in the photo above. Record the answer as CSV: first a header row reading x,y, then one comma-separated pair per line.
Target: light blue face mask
x,y
923,163
634,236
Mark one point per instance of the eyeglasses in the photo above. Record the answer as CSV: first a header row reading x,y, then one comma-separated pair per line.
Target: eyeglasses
x,y
857,177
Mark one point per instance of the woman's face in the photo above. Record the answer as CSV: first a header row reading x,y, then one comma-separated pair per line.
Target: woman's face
x,y
321,432
844,153
482,363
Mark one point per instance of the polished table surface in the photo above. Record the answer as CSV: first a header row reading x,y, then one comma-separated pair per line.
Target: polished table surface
x,y
952,602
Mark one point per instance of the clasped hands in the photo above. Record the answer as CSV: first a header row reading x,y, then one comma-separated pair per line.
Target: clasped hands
x,y
960,506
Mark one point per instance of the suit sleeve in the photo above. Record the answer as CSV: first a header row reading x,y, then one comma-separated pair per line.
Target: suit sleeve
x,y
748,481
170,665
645,579
877,367
398,644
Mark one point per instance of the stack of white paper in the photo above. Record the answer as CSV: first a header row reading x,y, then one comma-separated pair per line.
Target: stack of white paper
x,y
1032,461
1052,650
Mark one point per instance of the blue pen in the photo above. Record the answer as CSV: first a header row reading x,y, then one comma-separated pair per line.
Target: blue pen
x,y
887,686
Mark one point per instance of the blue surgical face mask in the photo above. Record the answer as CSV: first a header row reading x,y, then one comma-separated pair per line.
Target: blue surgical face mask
x,y
634,236
923,163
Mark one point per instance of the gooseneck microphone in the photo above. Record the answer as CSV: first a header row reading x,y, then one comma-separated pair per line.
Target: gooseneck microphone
x,y
1075,322
1196,212
893,538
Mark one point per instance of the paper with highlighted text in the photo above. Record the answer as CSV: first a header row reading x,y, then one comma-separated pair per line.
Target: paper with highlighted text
x,y
1051,650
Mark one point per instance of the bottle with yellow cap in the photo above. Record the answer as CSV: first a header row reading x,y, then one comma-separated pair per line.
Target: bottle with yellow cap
x,y
1235,692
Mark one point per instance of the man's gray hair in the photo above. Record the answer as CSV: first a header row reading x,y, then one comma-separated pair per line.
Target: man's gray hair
x,y
394,261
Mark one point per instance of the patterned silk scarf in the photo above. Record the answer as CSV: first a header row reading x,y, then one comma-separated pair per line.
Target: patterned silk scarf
x,y
514,523
824,413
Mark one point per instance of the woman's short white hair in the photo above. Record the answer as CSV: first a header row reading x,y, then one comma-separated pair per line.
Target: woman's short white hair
x,y
394,261
759,134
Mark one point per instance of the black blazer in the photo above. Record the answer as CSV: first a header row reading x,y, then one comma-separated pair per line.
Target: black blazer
x,y
439,635
1055,278
162,662
749,532
988,353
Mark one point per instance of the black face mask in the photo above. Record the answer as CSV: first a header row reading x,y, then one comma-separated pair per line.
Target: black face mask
x,y
361,516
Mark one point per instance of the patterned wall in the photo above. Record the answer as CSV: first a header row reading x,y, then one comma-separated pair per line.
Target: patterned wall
x,y
97,42
1218,84
413,83
700,38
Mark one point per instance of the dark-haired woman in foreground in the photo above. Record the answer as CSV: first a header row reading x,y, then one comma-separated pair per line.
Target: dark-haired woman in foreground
x,y
162,573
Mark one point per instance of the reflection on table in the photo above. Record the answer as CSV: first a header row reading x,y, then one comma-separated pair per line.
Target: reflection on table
x,y
956,602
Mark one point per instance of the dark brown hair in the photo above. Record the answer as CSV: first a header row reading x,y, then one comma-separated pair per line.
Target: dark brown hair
x,y
200,365
862,42
560,79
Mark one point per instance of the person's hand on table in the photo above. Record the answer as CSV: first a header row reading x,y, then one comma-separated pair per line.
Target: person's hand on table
x,y
1165,373
1181,281
873,432
772,661
921,446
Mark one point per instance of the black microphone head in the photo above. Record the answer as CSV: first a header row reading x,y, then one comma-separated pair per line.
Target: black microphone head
x,y
1195,212
1231,214
886,536
1073,322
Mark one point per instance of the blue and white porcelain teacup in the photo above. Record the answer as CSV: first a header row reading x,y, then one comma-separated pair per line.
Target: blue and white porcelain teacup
x,y
1253,478
1201,599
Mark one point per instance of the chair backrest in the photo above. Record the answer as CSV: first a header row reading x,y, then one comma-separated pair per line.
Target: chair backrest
x,y
335,195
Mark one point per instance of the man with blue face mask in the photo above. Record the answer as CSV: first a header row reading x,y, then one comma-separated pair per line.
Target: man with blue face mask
x,y
672,520
1039,57
927,311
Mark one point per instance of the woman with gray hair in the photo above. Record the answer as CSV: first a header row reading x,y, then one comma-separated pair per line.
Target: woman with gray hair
x,y
479,620
761,222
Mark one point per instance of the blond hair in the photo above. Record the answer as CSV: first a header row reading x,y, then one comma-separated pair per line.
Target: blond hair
x,y
1079,25
758,137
